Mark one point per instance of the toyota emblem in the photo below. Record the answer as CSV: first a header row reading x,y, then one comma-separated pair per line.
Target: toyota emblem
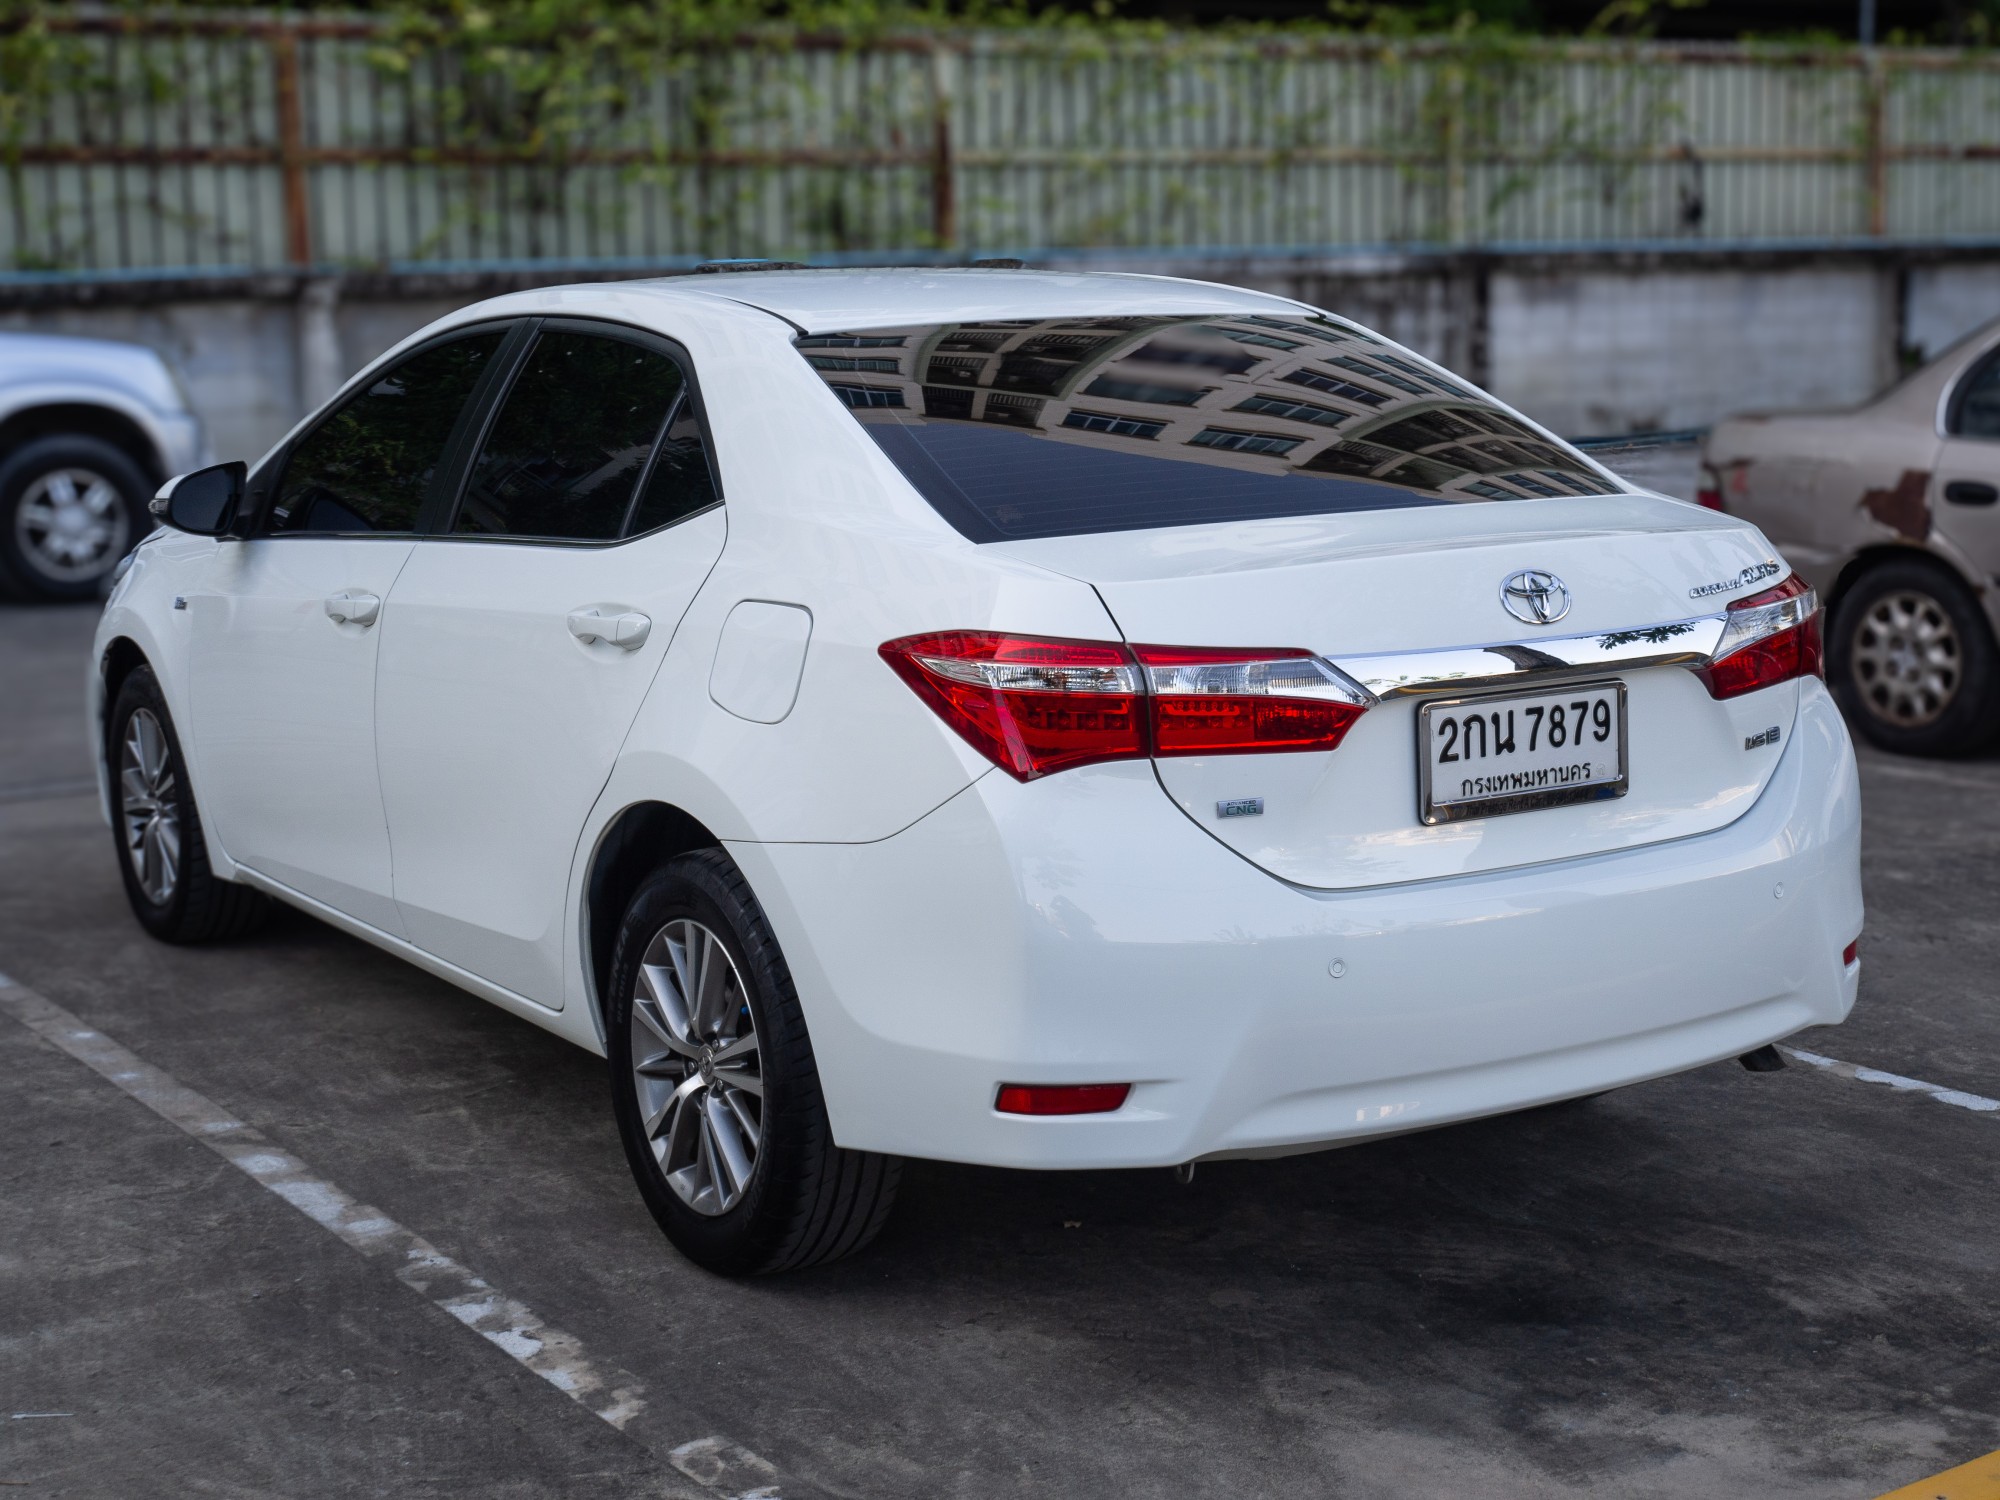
x,y
1534,597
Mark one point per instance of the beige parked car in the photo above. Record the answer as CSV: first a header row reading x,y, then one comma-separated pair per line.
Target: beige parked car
x,y
1889,510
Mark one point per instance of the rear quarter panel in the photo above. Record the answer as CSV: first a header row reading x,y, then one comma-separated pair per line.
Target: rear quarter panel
x,y
821,520
1824,486
1829,486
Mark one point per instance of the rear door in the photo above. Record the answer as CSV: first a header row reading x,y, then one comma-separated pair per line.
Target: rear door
x,y
518,642
285,631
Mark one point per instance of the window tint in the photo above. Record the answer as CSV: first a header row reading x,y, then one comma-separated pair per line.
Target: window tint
x,y
368,467
680,483
1976,408
1058,426
566,451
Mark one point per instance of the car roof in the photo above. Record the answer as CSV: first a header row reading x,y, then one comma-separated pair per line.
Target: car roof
x,y
832,301
71,347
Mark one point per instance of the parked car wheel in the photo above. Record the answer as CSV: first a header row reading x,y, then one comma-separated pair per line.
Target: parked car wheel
x,y
70,507
1914,663
161,854
717,1097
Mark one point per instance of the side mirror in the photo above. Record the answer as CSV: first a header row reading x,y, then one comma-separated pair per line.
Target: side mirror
x,y
204,502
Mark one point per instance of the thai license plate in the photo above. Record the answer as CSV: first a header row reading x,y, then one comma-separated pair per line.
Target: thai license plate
x,y
1480,757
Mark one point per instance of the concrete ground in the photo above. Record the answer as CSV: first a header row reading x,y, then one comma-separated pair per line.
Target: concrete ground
x,y
1722,1284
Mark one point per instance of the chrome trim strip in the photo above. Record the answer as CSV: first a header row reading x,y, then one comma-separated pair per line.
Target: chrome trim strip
x,y
1396,674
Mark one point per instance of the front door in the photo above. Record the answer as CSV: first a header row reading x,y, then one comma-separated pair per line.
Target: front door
x,y
285,635
1965,482
518,646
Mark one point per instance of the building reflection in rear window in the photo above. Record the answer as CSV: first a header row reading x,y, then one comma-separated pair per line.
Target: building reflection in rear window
x,y
1060,426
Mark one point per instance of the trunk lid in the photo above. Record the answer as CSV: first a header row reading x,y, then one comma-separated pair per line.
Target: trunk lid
x,y
1395,597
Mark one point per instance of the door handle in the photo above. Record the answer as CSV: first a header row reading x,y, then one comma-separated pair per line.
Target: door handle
x,y
352,607
1970,492
628,630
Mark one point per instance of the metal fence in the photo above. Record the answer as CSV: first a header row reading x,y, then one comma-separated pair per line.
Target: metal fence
x,y
247,144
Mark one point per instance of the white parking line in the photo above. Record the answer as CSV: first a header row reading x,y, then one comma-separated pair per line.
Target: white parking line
x,y
605,1391
1956,1097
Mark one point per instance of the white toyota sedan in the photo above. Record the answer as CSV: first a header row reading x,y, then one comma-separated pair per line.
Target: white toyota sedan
x,y
1036,720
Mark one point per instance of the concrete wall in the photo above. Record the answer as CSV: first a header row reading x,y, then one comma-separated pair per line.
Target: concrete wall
x,y
1588,345
1613,352
1947,302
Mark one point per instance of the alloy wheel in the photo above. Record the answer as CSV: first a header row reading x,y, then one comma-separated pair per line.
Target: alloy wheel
x,y
71,524
147,805
1907,660
696,1067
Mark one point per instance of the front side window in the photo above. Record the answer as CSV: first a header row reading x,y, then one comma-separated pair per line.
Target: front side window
x,y
566,453
367,468
1060,426
1975,408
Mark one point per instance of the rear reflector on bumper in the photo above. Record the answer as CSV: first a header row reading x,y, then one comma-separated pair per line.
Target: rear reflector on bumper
x,y
1033,704
1851,954
1061,1098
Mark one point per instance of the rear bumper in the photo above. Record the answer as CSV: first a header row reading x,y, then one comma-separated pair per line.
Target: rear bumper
x,y
1078,929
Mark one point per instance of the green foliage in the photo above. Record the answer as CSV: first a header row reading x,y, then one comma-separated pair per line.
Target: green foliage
x,y
538,116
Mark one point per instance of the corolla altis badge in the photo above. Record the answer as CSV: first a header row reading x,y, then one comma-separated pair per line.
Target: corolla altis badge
x,y
1534,597
1755,573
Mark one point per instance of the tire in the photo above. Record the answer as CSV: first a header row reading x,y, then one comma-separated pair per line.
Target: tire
x,y
178,900
1913,662
70,507
742,1060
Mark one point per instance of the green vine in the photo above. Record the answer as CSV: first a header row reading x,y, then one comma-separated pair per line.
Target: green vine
x,y
547,119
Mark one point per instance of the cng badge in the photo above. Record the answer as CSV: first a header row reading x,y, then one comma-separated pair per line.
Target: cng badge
x,y
1240,807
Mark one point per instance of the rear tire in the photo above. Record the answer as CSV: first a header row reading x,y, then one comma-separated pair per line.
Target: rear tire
x,y
704,1090
161,853
1913,661
70,507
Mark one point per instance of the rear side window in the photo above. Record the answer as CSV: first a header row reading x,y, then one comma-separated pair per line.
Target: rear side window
x,y
566,453
1060,426
367,468
680,482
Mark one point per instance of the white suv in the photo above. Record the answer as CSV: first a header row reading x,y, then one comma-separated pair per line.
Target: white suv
x,y
1044,721
88,429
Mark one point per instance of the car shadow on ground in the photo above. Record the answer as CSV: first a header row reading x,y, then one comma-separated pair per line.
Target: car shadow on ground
x,y
1577,1291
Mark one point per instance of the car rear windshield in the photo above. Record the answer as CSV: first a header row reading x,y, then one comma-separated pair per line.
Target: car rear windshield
x,y
1059,426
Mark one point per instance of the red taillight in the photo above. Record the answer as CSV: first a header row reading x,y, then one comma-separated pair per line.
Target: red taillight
x,y
1770,638
1211,701
1033,705
1708,488
1029,705
1851,954
1061,1098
